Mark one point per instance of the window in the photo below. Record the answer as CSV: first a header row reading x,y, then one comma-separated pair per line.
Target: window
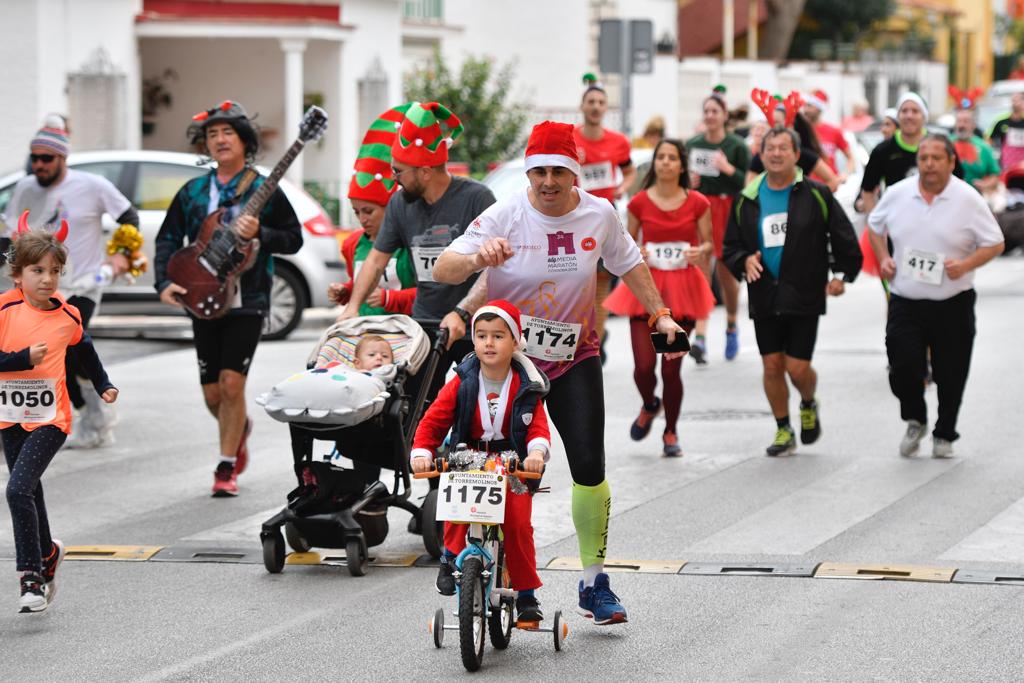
x,y
158,183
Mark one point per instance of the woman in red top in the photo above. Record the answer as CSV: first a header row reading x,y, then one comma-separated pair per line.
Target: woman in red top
x,y
677,240
37,326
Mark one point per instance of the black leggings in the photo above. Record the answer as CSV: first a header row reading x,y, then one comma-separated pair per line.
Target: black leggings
x,y
576,406
72,367
28,454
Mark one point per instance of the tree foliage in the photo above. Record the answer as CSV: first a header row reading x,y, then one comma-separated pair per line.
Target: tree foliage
x,y
838,21
479,94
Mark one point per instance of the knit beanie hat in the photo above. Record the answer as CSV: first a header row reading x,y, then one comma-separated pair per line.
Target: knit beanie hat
x,y
419,141
54,139
372,178
553,144
505,310
916,99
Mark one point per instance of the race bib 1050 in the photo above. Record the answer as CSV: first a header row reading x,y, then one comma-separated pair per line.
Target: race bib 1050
x,y
28,400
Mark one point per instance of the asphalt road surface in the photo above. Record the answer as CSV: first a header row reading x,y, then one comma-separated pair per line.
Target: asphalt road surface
x,y
848,499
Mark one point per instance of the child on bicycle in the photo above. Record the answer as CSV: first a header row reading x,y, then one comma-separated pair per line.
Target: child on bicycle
x,y
494,403
37,326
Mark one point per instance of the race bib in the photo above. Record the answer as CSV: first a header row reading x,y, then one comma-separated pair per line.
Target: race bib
x,y
923,266
1015,137
773,229
425,258
471,497
550,340
597,176
702,162
28,400
389,280
667,255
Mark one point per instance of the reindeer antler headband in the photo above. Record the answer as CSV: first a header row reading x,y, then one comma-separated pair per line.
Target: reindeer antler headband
x,y
767,104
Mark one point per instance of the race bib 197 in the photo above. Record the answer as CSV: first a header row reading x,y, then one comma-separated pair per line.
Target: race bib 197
x,y
471,497
773,229
425,258
597,176
667,255
702,162
923,266
550,340
389,279
28,400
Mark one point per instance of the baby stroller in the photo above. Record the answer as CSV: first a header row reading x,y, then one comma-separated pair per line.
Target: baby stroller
x,y
347,508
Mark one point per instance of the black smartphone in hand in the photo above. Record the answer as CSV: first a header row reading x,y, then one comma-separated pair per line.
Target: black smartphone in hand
x,y
661,345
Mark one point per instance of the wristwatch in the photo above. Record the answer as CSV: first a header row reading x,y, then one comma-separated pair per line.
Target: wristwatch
x,y
464,314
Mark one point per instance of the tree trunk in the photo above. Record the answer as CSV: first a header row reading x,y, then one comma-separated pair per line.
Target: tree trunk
x,y
777,32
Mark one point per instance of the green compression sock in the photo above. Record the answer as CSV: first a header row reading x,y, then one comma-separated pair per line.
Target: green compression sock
x,y
591,507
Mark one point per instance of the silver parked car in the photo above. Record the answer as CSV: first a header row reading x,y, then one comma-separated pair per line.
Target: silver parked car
x,y
150,179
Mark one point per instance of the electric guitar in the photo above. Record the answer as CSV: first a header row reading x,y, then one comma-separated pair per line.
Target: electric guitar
x,y
210,266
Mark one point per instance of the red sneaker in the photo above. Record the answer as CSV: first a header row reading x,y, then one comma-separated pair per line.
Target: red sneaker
x,y
225,483
242,454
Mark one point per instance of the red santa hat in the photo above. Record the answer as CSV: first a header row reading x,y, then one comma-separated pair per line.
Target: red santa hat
x,y
505,310
817,99
552,144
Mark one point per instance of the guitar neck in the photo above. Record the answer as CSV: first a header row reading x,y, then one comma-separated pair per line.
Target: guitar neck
x,y
263,192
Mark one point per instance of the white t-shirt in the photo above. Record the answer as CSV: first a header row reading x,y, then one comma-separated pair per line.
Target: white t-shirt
x,y
552,275
953,226
81,199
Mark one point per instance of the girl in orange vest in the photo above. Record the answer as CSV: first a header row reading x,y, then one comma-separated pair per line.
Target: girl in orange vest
x,y
36,328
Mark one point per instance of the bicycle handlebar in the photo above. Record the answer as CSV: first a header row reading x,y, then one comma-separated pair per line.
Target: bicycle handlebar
x,y
430,474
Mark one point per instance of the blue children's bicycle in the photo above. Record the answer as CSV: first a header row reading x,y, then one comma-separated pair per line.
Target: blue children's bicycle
x,y
485,598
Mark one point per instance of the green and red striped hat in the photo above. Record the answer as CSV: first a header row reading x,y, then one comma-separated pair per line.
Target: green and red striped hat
x,y
372,179
420,141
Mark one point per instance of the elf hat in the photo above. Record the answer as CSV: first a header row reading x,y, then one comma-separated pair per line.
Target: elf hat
x,y
817,99
507,312
419,141
590,82
372,178
552,144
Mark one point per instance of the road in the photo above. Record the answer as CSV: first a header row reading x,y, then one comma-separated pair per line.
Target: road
x,y
847,499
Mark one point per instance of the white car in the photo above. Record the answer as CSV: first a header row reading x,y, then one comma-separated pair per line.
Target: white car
x,y
150,179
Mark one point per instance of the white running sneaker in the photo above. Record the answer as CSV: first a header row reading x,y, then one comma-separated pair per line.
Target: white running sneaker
x,y
942,448
33,593
912,439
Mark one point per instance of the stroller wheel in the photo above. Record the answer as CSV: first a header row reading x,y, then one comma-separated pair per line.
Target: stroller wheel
x,y
356,557
433,531
295,539
273,553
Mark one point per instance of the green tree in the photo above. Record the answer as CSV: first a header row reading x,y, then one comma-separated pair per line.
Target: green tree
x,y
837,21
479,95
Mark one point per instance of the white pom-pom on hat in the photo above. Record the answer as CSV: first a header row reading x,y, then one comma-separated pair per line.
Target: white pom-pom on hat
x,y
419,142
449,142
378,176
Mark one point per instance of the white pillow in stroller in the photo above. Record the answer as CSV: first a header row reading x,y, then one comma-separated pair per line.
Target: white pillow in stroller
x,y
333,395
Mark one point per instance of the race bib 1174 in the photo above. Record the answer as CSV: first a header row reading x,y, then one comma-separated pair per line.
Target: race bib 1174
x,y
550,340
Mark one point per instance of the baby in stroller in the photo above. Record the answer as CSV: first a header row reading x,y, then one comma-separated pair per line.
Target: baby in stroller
x,y
354,393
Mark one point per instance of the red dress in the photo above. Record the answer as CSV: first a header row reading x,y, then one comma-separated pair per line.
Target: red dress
x,y
684,288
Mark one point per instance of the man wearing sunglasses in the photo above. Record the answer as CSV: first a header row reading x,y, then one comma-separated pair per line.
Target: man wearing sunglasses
x,y
53,192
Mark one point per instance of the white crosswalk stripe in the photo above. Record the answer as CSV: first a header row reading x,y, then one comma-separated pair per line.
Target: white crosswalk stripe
x,y
1001,540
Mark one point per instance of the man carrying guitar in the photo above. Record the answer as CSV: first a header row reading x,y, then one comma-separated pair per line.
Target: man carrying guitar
x,y
225,345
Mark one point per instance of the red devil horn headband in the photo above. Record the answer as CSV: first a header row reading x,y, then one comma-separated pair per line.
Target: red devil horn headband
x,y
61,234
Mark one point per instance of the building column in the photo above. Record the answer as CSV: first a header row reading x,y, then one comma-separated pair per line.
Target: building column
x,y
293,90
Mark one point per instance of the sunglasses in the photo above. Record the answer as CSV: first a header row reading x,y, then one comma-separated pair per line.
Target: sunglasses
x,y
45,158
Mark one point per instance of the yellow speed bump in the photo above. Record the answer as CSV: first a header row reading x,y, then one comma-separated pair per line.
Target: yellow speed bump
x,y
572,564
891,572
122,553
376,559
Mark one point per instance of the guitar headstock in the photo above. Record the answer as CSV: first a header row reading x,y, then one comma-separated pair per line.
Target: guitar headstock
x,y
313,125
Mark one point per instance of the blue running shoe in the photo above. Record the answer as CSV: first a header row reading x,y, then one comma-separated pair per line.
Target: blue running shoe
x,y
732,343
600,604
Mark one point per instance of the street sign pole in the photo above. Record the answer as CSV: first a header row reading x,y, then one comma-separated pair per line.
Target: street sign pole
x,y
626,48
627,78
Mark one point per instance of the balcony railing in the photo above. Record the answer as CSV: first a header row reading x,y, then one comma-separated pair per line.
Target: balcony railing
x,y
429,11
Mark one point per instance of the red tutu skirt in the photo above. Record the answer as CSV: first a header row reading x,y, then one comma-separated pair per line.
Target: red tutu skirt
x,y
870,265
685,291
720,206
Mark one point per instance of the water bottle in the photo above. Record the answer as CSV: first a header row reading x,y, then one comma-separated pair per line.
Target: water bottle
x,y
105,276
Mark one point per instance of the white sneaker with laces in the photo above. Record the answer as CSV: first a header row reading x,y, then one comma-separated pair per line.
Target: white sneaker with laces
x,y
942,448
912,439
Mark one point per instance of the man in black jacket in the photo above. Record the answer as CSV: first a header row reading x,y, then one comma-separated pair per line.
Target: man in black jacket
x,y
785,233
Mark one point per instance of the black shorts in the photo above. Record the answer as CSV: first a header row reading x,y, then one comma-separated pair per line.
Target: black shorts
x,y
226,343
793,335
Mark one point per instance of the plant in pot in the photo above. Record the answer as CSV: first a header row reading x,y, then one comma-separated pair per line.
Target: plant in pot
x,y
155,96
